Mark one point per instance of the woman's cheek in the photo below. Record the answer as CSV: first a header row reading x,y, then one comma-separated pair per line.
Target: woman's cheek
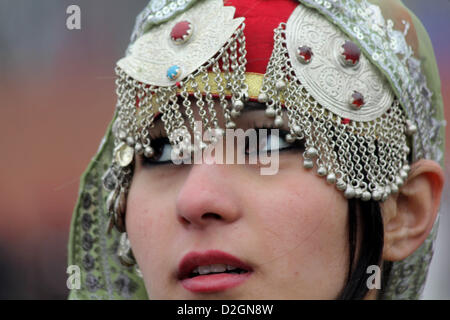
x,y
304,231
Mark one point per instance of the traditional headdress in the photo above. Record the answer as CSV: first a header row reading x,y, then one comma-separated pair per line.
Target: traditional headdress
x,y
351,76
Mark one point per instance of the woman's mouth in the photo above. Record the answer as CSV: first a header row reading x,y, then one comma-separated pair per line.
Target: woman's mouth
x,y
212,271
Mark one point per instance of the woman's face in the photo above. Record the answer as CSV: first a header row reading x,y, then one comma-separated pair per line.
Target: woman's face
x,y
289,231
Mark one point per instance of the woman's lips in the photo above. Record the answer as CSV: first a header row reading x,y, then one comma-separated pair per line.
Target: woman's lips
x,y
215,281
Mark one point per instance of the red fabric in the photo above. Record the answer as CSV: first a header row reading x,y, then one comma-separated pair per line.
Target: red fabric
x,y
261,18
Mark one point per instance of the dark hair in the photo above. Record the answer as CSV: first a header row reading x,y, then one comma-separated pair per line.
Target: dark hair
x,y
364,217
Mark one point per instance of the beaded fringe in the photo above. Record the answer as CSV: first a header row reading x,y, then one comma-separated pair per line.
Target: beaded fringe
x,y
138,104
367,160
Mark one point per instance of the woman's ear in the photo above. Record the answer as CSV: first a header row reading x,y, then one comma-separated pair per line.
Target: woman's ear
x,y
409,215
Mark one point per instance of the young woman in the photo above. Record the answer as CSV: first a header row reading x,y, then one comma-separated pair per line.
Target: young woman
x,y
341,98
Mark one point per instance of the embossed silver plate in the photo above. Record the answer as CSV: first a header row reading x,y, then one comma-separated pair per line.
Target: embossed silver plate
x,y
154,53
330,83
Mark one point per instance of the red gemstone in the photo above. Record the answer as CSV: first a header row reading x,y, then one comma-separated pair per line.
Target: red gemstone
x,y
351,53
345,121
305,54
357,100
178,84
181,31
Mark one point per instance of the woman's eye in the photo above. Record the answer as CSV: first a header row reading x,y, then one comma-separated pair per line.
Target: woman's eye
x,y
163,152
270,142
273,142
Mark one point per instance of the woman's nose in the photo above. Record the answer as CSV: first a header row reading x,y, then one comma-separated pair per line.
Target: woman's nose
x,y
209,196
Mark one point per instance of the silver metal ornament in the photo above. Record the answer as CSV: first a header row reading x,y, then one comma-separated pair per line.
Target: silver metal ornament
x,y
322,171
366,196
270,112
263,98
278,122
331,178
124,252
238,105
311,153
149,152
349,192
124,154
308,164
138,148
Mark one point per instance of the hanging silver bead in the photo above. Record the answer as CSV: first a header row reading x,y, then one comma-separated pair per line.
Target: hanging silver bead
x,y
122,135
311,152
138,148
406,149
230,125
366,196
411,128
130,141
278,122
341,185
403,174
377,195
331,178
270,112
263,98
280,85
358,193
297,130
308,164
149,152
349,192
322,171
290,138
238,105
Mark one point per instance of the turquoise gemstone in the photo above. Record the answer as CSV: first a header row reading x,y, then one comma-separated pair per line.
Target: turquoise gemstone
x,y
173,72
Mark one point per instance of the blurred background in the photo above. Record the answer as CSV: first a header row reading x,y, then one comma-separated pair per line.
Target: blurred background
x,y
57,96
